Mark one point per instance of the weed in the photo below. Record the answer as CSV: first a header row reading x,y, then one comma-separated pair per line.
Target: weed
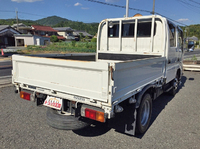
x,y
194,58
64,47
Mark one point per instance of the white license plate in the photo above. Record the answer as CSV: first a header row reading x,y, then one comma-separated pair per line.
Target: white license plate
x,y
53,102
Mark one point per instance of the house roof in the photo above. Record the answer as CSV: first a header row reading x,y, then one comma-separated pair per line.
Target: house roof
x,y
63,29
192,38
2,27
21,26
59,37
43,28
7,28
77,33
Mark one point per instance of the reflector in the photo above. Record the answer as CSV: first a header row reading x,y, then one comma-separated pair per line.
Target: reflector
x,y
100,116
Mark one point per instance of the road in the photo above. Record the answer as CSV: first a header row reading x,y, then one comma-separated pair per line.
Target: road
x,y
5,68
175,124
189,54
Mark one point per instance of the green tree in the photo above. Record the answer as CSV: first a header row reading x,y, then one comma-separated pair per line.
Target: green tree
x,y
54,38
94,40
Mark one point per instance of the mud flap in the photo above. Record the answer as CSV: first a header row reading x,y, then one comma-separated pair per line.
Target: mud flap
x,y
125,122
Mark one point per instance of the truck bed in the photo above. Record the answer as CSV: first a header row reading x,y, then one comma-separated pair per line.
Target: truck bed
x,y
81,78
86,80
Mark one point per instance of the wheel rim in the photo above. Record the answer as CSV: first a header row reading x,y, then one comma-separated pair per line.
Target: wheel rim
x,y
175,84
145,113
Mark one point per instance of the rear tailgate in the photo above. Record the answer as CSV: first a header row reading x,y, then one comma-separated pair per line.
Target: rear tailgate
x,y
82,78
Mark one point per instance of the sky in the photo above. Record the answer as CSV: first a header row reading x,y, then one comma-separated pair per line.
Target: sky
x,y
186,12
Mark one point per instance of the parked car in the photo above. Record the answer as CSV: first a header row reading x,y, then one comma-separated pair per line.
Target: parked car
x,y
190,46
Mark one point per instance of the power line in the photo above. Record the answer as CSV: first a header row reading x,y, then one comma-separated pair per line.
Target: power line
x,y
194,2
172,19
118,6
32,14
134,9
188,6
188,3
23,13
6,11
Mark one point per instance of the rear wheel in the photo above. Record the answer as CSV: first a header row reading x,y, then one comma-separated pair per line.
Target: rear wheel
x,y
144,114
58,120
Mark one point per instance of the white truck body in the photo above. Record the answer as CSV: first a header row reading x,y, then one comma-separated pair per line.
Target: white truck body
x,y
126,62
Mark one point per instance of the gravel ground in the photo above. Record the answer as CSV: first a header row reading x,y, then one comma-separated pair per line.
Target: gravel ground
x,y
175,124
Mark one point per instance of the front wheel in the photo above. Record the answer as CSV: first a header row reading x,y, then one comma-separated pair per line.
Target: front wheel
x,y
174,84
144,114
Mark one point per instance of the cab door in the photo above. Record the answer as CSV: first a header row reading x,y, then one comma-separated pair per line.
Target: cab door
x,y
172,58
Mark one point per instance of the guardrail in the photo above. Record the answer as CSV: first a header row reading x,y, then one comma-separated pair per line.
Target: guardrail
x,y
191,67
5,80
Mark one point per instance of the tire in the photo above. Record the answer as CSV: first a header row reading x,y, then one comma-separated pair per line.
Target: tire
x,y
64,122
144,114
174,85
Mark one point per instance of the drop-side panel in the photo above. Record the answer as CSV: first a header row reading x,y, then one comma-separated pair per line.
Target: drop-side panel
x,y
129,76
82,78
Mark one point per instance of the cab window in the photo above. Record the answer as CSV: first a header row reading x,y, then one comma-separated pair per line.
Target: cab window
x,y
172,34
128,29
113,30
180,39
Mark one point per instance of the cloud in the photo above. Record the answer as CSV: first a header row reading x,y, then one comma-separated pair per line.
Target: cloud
x,y
78,4
67,5
85,8
183,20
111,1
29,1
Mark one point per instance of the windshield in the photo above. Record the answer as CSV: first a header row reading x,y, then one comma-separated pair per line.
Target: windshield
x,y
191,42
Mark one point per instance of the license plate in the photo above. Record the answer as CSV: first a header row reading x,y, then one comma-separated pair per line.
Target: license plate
x,y
53,102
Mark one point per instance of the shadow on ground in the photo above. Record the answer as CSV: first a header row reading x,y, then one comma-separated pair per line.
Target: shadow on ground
x,y
95,129
161,102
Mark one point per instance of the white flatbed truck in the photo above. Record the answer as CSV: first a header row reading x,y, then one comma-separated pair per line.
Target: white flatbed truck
x,y
137,59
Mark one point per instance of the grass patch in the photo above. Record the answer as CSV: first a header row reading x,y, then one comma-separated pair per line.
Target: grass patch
x,y
62,47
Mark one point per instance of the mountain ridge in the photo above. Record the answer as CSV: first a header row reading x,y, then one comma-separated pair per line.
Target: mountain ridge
x,y
91,28
55,21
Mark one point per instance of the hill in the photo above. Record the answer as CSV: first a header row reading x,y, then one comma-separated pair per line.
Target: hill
x,y
51,21
13,21
55,21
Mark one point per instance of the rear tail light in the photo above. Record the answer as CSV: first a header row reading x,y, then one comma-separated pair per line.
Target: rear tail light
x,y
95,115
24,95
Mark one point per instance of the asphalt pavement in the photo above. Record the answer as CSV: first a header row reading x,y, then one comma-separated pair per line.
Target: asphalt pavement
x,y
175,124
5,68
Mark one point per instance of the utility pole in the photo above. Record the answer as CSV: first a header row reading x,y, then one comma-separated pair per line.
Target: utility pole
x,y
153,7
17,18
127,7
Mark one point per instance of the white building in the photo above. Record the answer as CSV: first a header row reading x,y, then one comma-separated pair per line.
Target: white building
x,y
28,39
